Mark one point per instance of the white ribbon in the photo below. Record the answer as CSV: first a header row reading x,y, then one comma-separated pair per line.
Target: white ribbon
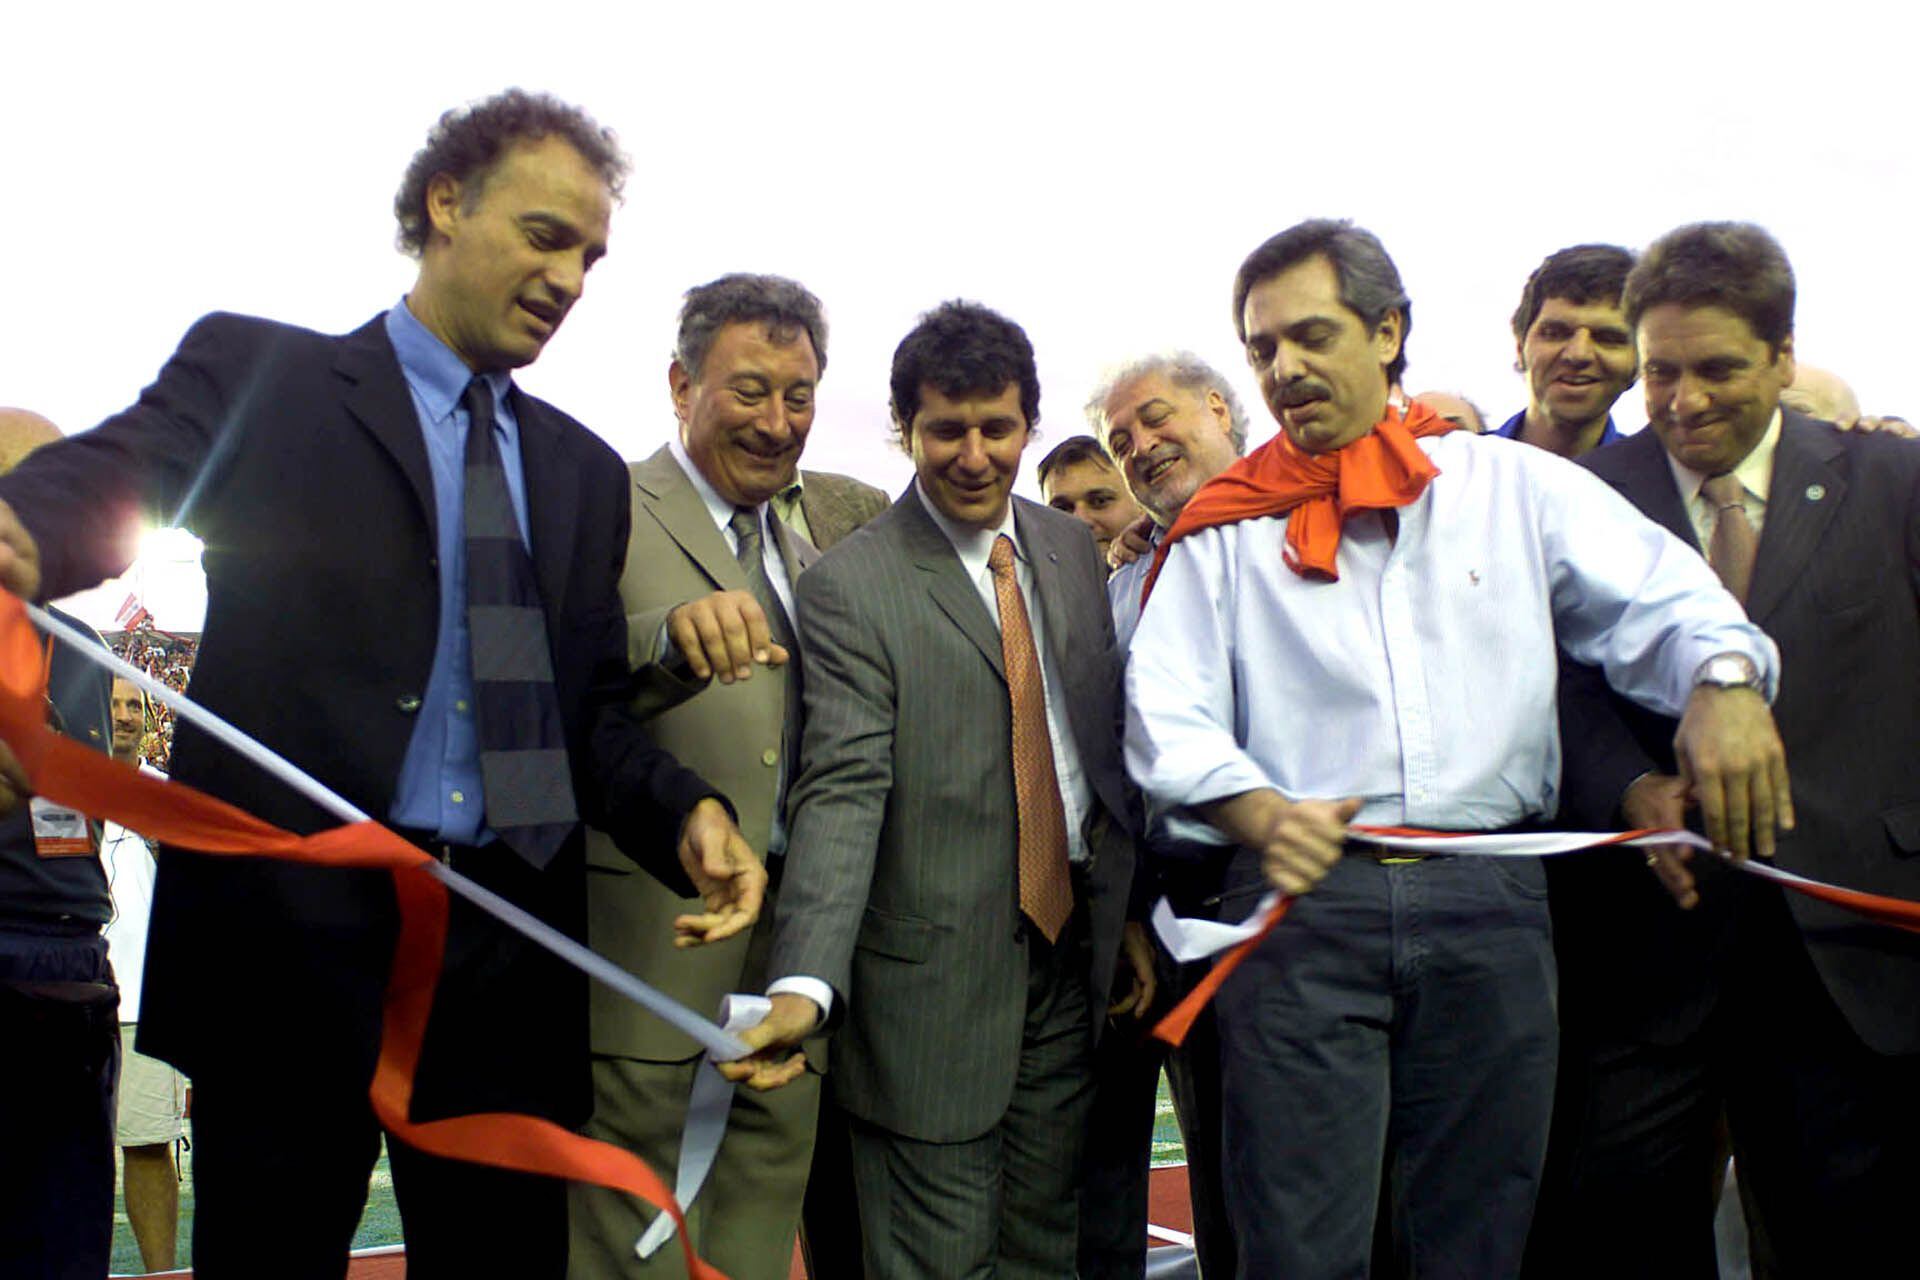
x,y
721,1044
706,1123
1187,940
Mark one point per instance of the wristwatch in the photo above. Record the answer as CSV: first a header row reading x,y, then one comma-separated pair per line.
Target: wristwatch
x,y
1728,671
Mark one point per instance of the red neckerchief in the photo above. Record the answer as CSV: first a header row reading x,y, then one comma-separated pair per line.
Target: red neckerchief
x,y
1383,469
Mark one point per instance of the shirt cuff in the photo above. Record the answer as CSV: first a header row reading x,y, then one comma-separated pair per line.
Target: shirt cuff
x,y
812,988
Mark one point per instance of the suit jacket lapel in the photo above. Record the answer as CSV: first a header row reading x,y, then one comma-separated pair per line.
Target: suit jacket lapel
x,y
947,580
1651,485
376,395
1802,497
667,493
553,496
1045,559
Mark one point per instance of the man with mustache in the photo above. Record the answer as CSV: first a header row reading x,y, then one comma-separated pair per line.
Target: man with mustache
x,y
1352,624
1171,423
449,656
1791,1017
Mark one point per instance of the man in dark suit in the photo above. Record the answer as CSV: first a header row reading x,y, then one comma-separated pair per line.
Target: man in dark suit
x,y
411,571
960,861
1793,1016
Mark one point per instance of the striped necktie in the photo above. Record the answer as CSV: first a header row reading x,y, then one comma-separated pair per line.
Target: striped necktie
x,y
523,744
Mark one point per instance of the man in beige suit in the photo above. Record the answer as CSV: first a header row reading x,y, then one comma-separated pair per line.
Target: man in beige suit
x,y
708,591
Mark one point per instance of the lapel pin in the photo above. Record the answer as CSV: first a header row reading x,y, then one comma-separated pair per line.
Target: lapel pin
x,y
1815,492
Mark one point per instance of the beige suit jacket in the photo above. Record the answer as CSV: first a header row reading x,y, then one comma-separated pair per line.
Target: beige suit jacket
x,y
728,734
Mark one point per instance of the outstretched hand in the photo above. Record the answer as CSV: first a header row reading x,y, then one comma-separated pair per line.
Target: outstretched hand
x,y
725,872
723,635
774,1061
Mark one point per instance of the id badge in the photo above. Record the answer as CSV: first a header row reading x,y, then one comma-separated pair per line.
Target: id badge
x,y
60,832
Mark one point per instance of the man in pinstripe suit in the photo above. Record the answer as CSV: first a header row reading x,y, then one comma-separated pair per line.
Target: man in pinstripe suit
x,y
967,1019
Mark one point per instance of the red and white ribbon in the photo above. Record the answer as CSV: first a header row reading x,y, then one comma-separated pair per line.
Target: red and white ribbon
x,y
1188,940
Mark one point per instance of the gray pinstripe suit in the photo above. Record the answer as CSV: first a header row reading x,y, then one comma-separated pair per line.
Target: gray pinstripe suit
x,y
900,887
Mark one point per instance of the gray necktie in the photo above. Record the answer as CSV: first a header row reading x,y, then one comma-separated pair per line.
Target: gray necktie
x,y
750,548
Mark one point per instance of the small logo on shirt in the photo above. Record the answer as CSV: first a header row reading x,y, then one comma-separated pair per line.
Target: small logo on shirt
x,y
1473,576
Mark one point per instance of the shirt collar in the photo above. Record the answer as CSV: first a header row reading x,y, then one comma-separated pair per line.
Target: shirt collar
x,y
717,507
437,375
972,545
1511,429
1755,471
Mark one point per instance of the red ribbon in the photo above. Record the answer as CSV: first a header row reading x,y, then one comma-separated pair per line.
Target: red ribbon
x,y
72,775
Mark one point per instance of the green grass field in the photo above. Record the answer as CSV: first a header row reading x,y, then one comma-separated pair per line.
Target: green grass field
x,y
380,1224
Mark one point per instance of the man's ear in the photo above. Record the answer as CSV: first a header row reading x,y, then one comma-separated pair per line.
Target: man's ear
x,y
1389,336
680,387
445,203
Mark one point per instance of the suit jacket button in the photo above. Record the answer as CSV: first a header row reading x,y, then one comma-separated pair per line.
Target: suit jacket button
x,y
406,703
769,757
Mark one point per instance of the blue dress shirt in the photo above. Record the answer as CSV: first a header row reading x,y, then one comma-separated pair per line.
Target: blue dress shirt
x,y
439,788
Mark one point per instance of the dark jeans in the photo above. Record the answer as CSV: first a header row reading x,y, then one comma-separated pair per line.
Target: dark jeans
x,y
59,1062
1400,1013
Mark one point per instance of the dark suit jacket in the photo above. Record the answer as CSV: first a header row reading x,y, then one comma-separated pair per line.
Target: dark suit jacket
x,y
901,886
298,458
1834,584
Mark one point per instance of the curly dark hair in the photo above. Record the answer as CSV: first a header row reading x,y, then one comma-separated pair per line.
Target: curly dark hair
x,y
962,349
467,142
1582,275
1735,265
1369,282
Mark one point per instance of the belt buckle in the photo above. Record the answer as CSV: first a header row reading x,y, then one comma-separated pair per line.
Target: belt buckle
x,y
1382,854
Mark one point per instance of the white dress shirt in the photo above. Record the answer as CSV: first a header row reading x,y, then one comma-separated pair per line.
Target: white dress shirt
x,y
1123,590
1755,474
128,860
1423,680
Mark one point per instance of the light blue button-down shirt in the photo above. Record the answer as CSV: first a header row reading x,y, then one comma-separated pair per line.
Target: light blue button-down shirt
x,y
1423,681
439,788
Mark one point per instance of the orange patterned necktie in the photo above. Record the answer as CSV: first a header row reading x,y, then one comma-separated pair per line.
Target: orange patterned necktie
x,y
1046,892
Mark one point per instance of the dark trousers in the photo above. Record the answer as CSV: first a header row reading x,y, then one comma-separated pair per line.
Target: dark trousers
x,y
1000,1206
1826,1133
1119,1158
59,1061
1402,1013
283,1150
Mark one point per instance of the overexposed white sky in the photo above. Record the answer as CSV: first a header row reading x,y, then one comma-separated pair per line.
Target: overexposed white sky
x,y
1094,171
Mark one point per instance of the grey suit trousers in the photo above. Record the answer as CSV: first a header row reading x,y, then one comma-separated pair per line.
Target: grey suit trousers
x,y
1002,1206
